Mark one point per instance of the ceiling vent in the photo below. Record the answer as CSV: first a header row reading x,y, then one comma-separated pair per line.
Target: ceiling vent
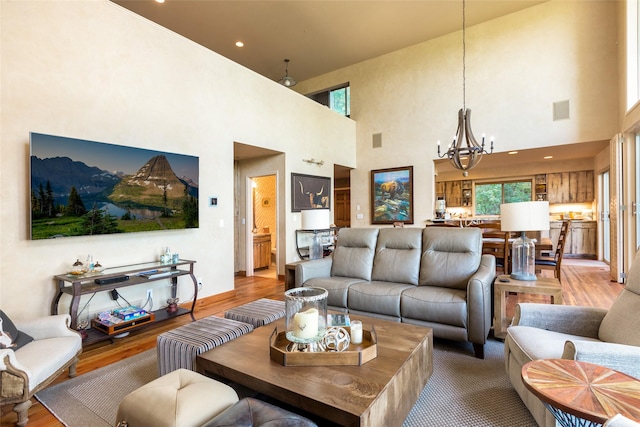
x,y
377,140
560,110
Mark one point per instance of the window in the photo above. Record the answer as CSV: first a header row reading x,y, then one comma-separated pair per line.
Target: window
x,y
490,195
337,98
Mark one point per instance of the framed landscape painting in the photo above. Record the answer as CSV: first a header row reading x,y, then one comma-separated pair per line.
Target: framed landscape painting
x,y
310,192
392,195
81,187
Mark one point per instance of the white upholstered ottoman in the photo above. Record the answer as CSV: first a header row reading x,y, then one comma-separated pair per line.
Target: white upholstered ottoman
x,y
181,398
179,347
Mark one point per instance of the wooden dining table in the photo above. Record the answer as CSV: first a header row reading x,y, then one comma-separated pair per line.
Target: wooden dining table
x,y
543,245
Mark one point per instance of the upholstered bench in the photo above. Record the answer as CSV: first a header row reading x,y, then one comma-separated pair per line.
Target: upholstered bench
x,y
179,347
259,313
181,398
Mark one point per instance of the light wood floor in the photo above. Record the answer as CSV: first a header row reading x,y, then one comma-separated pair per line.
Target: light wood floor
x,y
584,283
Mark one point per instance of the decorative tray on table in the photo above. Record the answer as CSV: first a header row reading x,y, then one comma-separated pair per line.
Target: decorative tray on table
x,y
356,354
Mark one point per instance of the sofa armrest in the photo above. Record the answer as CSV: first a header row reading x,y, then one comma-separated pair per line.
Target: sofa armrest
x,y
46,327
14,386
9,362
574,320
621,357
479,300
312,269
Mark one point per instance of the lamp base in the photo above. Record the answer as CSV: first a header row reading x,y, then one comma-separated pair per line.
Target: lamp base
x,y
523,259
523,276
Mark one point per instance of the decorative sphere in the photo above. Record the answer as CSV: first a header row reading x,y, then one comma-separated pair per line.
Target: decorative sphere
x,y
336,339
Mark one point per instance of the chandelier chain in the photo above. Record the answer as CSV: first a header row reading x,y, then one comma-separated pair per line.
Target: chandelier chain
x,y
464,55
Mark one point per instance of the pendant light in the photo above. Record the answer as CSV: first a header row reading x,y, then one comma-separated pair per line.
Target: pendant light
x,y
464,152
286,80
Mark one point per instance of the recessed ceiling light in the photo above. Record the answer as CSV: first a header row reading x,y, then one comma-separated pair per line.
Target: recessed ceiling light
x,y
548,157
159,1
239,44
513,152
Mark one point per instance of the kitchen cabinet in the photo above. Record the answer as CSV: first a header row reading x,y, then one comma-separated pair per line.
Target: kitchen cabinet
x,y
541,187
453,193
466,193
581,187
439,189
570,187
261,250
581,240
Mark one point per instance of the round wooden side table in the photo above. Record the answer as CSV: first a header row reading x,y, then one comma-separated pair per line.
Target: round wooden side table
x,y
581,393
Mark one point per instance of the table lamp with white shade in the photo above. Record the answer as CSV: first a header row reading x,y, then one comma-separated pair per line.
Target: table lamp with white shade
x,y
522,217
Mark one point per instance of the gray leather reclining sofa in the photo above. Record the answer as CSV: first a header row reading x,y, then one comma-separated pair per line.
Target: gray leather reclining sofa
x,y
435,277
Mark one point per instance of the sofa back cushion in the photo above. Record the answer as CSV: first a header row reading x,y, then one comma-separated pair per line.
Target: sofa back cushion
x,y
353,256
450,256
622,322
397,257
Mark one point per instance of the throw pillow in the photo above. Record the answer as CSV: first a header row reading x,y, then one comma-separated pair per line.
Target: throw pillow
x,y
10,336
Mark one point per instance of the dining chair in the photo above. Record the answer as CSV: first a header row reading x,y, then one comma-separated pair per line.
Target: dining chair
x,y
496,242
555,262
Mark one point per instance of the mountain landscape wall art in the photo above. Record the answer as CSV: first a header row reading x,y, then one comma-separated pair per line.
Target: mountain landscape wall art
x,y
81,188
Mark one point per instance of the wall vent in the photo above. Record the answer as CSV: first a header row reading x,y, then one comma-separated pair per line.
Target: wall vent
x,y
377,140
560,110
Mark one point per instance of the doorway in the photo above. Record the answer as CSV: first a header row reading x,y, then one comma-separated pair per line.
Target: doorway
x,y
256,162
263,225
605,225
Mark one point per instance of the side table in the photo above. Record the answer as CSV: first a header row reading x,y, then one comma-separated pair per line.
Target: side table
x,y
541,286
290,275
581,393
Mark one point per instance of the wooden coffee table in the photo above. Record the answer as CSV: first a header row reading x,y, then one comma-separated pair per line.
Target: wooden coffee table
x,y
379,393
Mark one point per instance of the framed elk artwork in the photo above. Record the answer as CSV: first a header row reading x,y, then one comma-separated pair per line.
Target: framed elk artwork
x,y
310,192
392,195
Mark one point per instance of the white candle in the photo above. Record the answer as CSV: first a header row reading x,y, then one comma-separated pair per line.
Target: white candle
x,y
305,324
356,332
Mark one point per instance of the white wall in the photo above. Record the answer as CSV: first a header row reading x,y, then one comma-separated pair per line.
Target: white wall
x,y
93,70
517,67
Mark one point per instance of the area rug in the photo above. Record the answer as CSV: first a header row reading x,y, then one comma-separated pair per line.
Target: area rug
x,y
92,399
463,391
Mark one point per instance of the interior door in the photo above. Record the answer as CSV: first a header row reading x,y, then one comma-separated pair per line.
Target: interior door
x,y
634,203
616,201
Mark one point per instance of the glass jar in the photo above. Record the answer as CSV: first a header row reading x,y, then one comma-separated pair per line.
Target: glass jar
x,y
306,311
78,268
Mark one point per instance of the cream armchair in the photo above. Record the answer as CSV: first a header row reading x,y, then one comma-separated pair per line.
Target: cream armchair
x,y
605,337
29,369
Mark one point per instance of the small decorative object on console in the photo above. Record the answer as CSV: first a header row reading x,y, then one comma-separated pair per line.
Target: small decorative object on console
x,y
172,305
77,268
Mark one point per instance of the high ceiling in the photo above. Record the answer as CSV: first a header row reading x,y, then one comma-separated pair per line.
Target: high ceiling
x,y
325,35
317,36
